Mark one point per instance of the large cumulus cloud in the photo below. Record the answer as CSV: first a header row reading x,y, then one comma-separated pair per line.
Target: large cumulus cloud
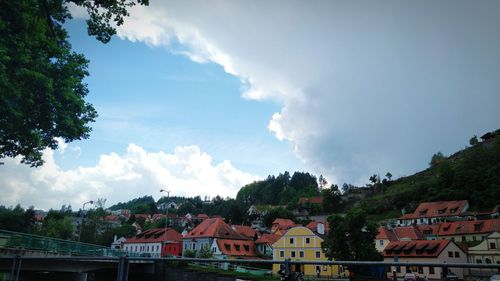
x,y
366,86
186,172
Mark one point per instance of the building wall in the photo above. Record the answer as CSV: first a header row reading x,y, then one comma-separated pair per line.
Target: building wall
x,y
301,244
153,249
465,237
427,271
196,243
487,252
380,244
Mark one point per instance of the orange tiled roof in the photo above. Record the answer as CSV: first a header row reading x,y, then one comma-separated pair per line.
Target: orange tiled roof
x,y
431,229
156,235
437,209
239,248
245,230
313,225
469,227
312,200
145,216
283,224
268,239
384,233
400,233
416,248
214,228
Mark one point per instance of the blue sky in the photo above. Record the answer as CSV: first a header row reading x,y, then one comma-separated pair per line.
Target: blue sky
x,y
203,97
159,100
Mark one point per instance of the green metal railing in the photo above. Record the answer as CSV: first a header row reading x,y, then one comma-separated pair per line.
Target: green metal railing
x,y
24,241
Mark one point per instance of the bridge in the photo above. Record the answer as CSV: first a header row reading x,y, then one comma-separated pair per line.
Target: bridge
x,y
30,257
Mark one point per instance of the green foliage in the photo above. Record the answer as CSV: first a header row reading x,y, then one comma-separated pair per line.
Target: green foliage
x,y
41,79
280,190
277,213
189,253
351,237
472,174
473,141
107,237
17,219
331,199
205,252
141,205
57,224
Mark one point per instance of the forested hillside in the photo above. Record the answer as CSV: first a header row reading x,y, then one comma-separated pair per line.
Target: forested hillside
x,y
472,174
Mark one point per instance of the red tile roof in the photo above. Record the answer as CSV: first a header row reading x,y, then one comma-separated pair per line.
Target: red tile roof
x,y
431,229
312,200
416,248
400,233
437,209
145,216
268,239
246,231
214,228
469,227
282,224
237,248
313,225
156,235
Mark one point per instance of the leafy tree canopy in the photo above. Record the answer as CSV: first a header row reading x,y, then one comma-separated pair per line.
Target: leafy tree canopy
x,y
41,79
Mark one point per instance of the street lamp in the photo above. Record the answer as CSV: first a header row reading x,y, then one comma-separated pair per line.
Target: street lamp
x,y
81,216
166,220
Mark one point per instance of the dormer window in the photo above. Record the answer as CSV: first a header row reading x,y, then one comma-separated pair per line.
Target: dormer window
x,y
227,247
477,226
237,247
454,210
441,211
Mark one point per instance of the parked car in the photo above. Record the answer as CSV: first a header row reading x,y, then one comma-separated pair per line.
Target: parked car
x,y
495,277
451,277
410,277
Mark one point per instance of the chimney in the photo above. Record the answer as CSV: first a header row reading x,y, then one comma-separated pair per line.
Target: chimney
x,y
114,239
320,228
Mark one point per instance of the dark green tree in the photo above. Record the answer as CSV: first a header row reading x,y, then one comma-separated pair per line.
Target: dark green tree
x,y
473,141
331,199
351,238
41,79
436,159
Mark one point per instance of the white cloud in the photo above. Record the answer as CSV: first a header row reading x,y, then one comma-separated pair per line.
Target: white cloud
x,y
366,87
186,172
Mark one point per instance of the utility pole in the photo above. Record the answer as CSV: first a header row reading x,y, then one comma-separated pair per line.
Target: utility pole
x,y
81,216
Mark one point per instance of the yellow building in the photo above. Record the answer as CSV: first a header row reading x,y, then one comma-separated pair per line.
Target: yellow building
x,y
301,244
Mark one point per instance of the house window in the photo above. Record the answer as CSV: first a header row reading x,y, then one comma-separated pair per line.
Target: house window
x,y
450,254
324,267
292,254
457,254
246,247
318,254
282,254
487,261
479,261
431,269
398,269
473,238
381,242
301,254
421,269
308,240
463,238
408,269
291,241
493,245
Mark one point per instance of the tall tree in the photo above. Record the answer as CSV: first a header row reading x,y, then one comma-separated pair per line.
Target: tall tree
x,y
351,238
41,79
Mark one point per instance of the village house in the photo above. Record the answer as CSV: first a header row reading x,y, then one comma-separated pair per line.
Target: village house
x,y
301,244
246,231
204,234
424,251
155,243
435,212
280,226
265,244
233,249
463,231
404,233
486,252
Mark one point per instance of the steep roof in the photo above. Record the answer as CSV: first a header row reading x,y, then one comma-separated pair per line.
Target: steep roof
x,y
245,230
268,239
214,228
437,209
469,227
155,235
282,224
400,233
416,248
237,248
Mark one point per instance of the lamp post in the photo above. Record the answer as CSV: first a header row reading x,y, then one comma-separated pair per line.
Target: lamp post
x,y
166,220
81,222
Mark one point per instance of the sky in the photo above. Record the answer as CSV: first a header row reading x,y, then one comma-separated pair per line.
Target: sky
x,y
203,97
